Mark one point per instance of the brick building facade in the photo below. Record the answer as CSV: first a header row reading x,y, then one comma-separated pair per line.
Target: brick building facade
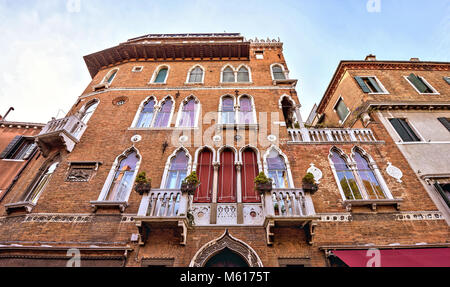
x,y
227,109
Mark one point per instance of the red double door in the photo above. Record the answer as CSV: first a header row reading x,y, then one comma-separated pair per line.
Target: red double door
x,y
227,183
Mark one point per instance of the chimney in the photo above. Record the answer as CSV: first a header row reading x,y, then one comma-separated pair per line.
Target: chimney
x,y
414,59
370,57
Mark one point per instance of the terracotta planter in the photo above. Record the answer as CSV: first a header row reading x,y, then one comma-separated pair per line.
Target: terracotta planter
x,y
188,187
310,187
142,188
264,187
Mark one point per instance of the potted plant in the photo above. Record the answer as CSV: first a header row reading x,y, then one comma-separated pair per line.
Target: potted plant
x,y
143,184
263,183
190,183
309,183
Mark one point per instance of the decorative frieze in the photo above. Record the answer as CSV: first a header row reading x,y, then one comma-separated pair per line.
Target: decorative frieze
x,y
60,218
201,214
335,217
253,214
226,214
420,215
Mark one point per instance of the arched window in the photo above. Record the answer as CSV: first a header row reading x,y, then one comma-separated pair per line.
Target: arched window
x,y
277,170
89,111
177,170
110,76
345,176
164,113
248,174
40,184
245,111
243,75
368,178
188,114
146,115
228,75
162,75
205,172
227,111
122,181
196,75
227,177
278,73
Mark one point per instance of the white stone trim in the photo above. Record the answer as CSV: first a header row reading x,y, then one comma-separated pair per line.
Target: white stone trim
x,y
197,153
197,110
258,155
238,108
158,109
112,171
249,73
156,72
384,92
169,159
333,169
219,151
285,71
220,107
106,77
189,74
223,69
426,83
286,162
139,110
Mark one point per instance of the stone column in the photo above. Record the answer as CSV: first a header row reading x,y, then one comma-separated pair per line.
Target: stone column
x,y
213,212
240,207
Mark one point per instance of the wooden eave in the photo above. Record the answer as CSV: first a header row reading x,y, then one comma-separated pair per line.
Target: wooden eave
x,y
345,66
166,52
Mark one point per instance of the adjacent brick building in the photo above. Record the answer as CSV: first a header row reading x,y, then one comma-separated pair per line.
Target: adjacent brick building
x,y
226,108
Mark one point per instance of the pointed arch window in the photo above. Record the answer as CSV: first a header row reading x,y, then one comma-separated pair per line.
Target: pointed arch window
x,y
123,178
146,115
227,112
249,172
188,113
205,171
177,170
41,183
368,179
278,73
110,76
277,170
243,75
228,75
345,176
227,177
89,111
162,75
196,75
245,111
164,113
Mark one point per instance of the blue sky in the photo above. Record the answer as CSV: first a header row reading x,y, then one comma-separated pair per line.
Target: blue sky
x,y
43,41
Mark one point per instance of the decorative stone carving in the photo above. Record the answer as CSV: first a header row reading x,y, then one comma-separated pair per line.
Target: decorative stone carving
x,y
316,172
253,214
225,241
330,217
395,172
136,138
420,215
201,214
79,174
226,214
60,218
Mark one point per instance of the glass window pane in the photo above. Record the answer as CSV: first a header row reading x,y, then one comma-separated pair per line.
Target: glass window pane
x,y
346,178
40,185
278,73
111,77
342,110
196,75
188,114
246,113
243,75
161,76
163,116
368,178
228,75
146,116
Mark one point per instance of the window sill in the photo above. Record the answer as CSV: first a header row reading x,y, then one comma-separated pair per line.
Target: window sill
x,y
157,83
197,83
348,204
121,205
13,160
285,81
100,86
27,205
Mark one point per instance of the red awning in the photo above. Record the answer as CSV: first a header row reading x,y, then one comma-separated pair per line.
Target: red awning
x,y
425,257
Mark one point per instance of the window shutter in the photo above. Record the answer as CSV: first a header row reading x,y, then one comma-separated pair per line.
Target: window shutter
x,y
417,83
400,130
445,122
375,84
12,146
362,85
447,79
205,172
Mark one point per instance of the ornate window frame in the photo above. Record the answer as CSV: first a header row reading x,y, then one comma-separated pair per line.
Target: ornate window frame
x,y
109,179
258,155
108,75
223,69
197,111
197,153
286,162
168,162
238,108
189,74
285,72
158,109
250,81
220,109
139,110
156,72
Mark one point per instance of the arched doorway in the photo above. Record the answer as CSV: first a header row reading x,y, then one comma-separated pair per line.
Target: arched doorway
x,y
226,251
226,258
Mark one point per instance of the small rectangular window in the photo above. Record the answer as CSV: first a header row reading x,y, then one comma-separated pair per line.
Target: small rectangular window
x,y
20,148
369,85
445,122
404,130
341,110
137,69
420,84
259,55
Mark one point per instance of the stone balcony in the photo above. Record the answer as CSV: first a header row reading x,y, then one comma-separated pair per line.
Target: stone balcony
x,y
163,208
57,133
317,136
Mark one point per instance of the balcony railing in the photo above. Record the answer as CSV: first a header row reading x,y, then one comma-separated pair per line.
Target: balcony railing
x,y
331,135
64,132
163,208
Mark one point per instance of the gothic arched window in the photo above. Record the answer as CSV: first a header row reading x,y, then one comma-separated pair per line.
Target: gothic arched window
x,y
368,178
205,172
177,170
227,177
188,114
122,181
227,111
278,73
245,111
248,174
162,75
41,182
345,176
277,169
146,114
164,113
243,75
228,75
196,75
